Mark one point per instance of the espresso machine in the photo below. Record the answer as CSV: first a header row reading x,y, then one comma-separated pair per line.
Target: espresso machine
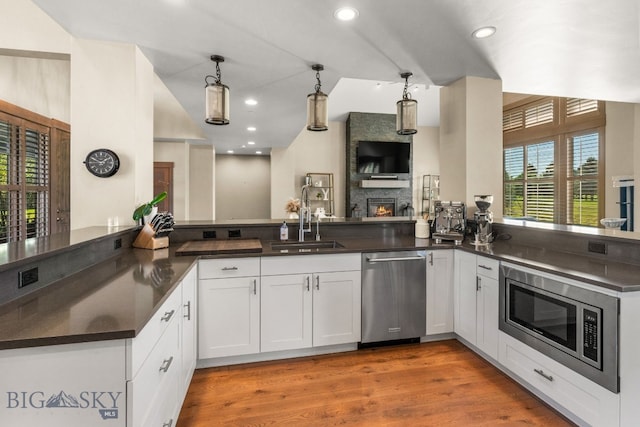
x,y
483,219
449,221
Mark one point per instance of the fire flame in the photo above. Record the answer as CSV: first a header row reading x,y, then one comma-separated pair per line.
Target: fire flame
x,y
383,211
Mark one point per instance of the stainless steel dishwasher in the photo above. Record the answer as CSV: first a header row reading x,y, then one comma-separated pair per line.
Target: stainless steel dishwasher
x,y
393,295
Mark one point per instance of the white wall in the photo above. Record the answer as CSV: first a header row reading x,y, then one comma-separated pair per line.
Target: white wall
x,y
202,171
426,160
171,121
37,84
111,107
26,30
243,187
310,152
471,141
619,151
178,153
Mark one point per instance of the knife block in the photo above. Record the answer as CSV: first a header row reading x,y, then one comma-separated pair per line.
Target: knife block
x,y
146,239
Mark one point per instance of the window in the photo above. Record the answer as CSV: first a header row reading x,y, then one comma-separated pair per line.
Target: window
x,y
544,179
25,174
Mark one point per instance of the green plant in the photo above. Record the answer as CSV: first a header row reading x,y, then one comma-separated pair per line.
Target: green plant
x,y
145,209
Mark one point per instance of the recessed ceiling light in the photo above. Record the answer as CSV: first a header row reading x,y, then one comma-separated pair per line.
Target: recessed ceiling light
x,y
346,13
229,151
251,129
251,143
251,102
258,152
483,32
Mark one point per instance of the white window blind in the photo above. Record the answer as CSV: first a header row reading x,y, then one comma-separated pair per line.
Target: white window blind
x,y
583,154
539,114
578,106
535,183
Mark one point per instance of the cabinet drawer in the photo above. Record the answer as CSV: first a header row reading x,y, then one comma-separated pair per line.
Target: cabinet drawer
x,y
157,381
228,267
584,398
488,267
144,342
302,264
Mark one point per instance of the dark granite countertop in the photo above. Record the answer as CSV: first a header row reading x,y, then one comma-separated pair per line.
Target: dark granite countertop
x,y
111,300
115,298
617,276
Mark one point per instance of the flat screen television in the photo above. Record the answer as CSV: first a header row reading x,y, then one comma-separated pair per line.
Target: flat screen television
x,y
382,157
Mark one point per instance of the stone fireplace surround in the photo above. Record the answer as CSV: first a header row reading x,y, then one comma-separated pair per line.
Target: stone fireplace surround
x,y
372,127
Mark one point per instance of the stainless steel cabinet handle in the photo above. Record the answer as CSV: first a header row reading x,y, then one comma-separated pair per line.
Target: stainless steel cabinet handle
x,y
541,373
485,267
168,423
478,283
167,316
318,282
308,285
165,364
188,307
229,268
409,258
255,286
431,258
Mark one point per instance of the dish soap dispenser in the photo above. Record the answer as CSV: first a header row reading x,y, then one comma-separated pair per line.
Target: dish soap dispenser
x,y
284,231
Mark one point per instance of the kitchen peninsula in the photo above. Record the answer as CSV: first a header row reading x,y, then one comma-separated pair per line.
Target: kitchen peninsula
x,y
107,315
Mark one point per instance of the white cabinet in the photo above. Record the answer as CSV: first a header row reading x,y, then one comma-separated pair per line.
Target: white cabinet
x,y
228,307
286,313
476,301
439,291
37,382
488,305
189,342
310,300
336,308
593,404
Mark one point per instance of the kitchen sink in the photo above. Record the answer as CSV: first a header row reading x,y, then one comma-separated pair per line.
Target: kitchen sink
x,y
312,246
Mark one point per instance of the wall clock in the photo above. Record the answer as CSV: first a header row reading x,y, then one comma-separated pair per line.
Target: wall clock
x,y
102,163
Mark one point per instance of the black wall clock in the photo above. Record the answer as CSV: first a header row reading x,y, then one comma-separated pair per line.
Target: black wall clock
x,y
102,163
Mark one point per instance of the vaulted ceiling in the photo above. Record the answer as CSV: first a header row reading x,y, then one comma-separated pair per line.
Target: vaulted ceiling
x,y
581,48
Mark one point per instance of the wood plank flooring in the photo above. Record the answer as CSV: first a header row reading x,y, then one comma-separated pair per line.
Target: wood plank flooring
x,y
432,384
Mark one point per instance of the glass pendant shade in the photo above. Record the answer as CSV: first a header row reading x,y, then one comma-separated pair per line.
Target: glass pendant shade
x,y
406,118
317,113
217,104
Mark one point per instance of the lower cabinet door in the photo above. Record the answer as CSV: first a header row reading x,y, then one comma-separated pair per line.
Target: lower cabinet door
x,y
439,292
488,310
336,308
154,391
593,404
228,317
285,312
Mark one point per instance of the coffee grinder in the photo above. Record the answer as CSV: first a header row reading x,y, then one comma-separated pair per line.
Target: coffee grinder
x,y
483,219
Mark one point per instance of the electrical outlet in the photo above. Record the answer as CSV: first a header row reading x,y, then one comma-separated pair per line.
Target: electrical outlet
x,y
598,247
117,244
209,234
27,277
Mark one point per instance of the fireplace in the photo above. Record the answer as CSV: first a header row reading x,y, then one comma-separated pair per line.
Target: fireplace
x,y
381,207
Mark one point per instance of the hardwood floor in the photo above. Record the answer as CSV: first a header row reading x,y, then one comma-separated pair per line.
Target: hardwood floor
x,y
432,384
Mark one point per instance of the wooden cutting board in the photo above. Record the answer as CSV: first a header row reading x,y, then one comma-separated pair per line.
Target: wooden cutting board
x,y
216,247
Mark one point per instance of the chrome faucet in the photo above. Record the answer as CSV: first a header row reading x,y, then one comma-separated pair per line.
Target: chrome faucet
x,y
305,209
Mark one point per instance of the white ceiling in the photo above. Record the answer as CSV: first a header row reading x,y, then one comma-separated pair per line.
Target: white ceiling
x,y
581,48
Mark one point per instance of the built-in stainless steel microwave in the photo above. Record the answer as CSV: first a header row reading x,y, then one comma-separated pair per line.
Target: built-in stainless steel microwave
x,y
576,326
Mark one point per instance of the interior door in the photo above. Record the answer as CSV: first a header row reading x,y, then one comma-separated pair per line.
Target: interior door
x,y
163,181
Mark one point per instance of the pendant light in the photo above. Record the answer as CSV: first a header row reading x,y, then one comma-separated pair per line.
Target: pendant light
x,y
317,115
216,97
406,117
